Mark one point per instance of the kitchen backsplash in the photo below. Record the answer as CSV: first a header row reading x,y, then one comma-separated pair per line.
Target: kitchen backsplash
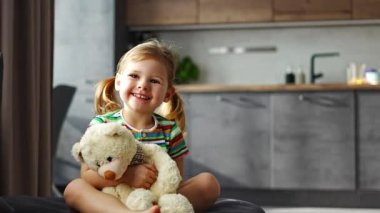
x,y
294,47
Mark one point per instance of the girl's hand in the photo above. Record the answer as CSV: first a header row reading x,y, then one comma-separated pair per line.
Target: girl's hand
x,y
140,176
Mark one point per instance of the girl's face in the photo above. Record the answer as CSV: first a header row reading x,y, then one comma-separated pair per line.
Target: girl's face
x,y
143,85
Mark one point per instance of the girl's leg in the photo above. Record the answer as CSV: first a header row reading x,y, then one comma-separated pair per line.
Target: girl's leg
x,y
82,197
202,191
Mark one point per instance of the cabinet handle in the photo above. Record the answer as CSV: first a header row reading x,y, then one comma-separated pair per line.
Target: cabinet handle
x,y
241,102
252,102
323,101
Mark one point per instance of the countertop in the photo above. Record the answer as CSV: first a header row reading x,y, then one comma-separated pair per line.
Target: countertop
x,y
206,88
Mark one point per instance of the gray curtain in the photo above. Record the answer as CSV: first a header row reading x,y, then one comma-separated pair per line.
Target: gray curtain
x,y
26,33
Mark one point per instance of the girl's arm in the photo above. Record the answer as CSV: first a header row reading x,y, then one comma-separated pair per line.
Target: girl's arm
x,y
138,176
180,164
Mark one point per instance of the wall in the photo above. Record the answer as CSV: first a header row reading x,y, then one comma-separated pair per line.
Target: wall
x,y
83,54
295,45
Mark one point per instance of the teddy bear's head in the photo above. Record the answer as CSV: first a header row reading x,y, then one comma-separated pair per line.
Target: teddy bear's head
x,y
107,148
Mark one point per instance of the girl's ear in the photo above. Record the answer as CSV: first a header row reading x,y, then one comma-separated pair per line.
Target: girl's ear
x,y
169,94
117,82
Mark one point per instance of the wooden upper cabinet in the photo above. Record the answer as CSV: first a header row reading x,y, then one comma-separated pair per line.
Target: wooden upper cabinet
x,y
183,12
229,11
304,10
366,9
161,12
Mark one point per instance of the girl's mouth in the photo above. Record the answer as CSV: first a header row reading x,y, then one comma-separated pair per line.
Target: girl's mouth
x,y
140,96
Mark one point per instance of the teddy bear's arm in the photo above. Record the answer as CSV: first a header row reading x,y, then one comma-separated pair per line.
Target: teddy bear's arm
x,y
169,176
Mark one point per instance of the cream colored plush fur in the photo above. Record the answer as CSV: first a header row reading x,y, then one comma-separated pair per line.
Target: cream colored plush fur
x,y
109,149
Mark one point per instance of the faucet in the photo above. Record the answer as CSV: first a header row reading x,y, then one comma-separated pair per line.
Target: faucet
x,y
313,75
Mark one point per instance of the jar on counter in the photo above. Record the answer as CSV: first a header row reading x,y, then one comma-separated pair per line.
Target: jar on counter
x,y
371,76
290,78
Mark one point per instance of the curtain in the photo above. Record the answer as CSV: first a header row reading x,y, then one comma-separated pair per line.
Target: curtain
x,y
27,47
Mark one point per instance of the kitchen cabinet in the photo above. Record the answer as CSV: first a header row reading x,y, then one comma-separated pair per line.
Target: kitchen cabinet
x,y
313,141
273,140
366,9
287,145
141,13
160,12
303,10
229,136
369,140
229,11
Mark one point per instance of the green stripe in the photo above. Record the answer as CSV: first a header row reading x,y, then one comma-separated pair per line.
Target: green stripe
x,y
179,152
96,120
175,132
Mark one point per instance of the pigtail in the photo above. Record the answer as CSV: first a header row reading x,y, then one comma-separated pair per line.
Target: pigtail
x,y
105,99
174,110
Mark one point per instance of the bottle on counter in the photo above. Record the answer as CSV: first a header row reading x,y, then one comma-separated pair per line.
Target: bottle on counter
x,y
289,76
300,75
352,73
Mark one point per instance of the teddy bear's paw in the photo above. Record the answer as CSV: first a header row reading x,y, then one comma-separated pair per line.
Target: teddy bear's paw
x,y
123,190
110,190
140,199
175,203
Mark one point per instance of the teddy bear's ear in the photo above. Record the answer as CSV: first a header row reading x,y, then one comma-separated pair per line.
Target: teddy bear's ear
x,y
114,129
76,152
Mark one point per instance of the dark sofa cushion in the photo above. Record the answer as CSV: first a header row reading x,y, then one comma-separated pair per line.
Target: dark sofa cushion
x,y
27,204
225,205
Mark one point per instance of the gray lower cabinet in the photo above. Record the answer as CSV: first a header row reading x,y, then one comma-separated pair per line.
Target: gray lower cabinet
x,y
369,137
313,140
229,135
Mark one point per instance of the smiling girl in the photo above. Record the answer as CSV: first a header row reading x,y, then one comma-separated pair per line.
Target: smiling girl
x,y
144,80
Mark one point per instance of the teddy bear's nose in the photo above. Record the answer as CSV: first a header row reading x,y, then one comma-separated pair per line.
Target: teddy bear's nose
x,y
109,175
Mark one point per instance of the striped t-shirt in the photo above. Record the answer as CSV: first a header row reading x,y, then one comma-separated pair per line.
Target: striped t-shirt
x,y
165,133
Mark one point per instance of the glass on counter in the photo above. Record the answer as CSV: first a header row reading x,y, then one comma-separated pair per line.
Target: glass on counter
x,y
355,73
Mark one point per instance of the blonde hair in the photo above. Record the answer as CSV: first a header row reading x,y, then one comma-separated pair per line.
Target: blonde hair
x,y
107,101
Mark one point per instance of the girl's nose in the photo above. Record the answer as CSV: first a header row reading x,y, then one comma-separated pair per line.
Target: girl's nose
x,y
142,85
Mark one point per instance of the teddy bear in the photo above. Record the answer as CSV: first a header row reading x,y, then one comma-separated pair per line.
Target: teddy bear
x,y
109,148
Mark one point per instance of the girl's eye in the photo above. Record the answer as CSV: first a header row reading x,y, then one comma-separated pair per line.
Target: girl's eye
x,y
154,81
133,75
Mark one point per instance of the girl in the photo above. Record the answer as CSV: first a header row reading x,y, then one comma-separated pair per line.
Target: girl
x,y
144,80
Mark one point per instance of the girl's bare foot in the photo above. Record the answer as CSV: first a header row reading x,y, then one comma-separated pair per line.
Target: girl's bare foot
x,y
154,209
